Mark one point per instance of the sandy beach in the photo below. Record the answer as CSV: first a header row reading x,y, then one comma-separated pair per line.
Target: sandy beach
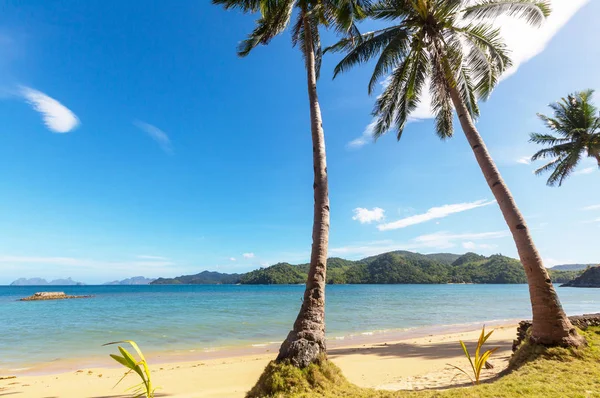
x,y
372,361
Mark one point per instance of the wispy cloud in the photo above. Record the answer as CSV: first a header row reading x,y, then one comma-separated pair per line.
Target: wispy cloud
x,y
587,170
436,241
593,207
248,255
84,262
232,259
524,160
434,213
478,246
57,117
148,257
524,41
156,134
366,216
365,138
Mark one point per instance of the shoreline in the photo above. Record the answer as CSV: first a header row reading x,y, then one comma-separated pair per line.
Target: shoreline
x,y
171,356
400,361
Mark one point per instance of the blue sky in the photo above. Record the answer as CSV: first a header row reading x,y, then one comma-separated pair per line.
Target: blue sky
x,y
135,142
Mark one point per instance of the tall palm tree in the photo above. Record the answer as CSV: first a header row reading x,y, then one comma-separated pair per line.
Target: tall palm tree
x,y
306,341
576,123
446,42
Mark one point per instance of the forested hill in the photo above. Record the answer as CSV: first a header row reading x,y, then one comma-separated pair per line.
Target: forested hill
x,y
399,267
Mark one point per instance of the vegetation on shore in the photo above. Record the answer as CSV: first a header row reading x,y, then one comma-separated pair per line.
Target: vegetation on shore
x,y
388,268
589,278
535,371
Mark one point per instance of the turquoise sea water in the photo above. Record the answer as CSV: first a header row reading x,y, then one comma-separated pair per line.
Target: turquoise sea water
x,y
205,317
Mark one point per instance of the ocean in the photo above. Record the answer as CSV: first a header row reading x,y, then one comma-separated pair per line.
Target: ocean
x,y
202,318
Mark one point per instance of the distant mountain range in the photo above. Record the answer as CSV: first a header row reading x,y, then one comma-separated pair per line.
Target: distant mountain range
x,y
396,267
136,280
43,282
571,267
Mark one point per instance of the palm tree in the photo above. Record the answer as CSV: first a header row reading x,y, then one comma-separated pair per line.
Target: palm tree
x,y
576,122
305,343
445,44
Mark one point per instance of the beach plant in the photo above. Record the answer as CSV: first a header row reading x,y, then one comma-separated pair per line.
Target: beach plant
x,y
449,47
306,341
140,367
479,360
575,132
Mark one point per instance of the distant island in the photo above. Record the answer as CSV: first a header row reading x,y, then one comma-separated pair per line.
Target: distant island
x,y
136,280
43,282
589,278
398,267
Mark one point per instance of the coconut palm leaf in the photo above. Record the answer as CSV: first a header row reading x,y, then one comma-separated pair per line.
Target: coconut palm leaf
x,y
576,128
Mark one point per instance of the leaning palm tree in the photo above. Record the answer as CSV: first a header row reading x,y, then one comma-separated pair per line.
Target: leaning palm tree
x,y
446,45
576,123
305,344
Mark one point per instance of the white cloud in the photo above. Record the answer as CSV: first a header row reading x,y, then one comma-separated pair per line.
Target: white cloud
x,y
433,213
524,160
593,207
475,246
523,40
365,138
57,117
147,257
156,134
436,241
445,240
232,259
587,170
366,216
248,255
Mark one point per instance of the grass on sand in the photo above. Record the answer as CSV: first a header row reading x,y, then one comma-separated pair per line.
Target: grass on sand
x,y
534,371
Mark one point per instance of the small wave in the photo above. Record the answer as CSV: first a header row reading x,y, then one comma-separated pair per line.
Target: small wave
x,y
259,345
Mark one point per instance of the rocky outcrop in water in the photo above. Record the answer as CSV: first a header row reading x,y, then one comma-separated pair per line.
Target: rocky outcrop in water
x,y
51,296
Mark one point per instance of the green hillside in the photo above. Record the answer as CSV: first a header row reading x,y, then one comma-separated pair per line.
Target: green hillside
x,y
397,267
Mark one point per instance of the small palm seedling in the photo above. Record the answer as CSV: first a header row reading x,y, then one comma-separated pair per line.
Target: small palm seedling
x,y
479,361
144,389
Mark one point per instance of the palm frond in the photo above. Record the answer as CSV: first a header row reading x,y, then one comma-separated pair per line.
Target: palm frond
x,y
487,58
368,46
402,95
392,9
273,22
533,12
391,56
244,5
546,139
439,89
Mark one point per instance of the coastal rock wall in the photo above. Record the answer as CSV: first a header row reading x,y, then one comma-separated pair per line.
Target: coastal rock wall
x,y
580,321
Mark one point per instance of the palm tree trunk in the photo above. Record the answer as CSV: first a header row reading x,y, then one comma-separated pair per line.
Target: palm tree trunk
x,y
597,156
550,323
305,344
